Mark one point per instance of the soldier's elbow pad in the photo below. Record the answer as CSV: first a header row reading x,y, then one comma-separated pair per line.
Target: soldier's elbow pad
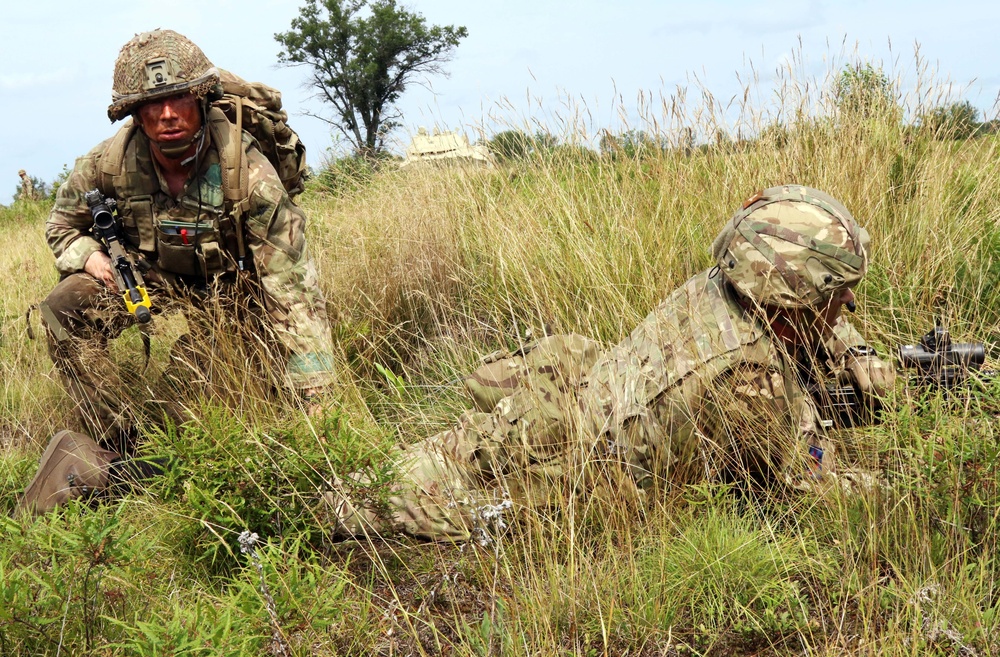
x,y
72,466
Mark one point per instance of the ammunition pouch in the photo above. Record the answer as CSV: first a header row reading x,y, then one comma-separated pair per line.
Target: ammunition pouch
x,y
137,222
191,249
72,466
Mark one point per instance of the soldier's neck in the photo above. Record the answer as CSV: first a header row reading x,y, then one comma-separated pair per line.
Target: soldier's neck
x,y
175,173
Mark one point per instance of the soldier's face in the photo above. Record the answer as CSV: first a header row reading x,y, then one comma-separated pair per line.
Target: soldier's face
x,y
805,326
171,120
835,307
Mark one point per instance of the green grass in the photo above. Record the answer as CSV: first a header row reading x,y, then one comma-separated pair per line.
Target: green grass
x,y
427,270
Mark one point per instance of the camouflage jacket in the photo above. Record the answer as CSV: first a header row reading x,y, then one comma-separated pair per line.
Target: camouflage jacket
x,y
700,390
274,230
27,190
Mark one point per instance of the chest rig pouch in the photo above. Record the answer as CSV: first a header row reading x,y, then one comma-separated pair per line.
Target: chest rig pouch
x,y
189,240
201,235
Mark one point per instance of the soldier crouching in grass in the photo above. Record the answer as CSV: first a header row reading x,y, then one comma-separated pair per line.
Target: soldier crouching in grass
x,y
709,387
208,222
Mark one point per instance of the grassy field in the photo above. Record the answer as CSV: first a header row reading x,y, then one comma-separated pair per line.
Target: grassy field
x,y
426,271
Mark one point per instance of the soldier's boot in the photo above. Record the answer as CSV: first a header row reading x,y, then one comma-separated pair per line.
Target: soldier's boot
x,y
72,466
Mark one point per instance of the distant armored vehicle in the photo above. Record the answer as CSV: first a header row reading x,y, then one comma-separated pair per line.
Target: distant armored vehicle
x,y
445,148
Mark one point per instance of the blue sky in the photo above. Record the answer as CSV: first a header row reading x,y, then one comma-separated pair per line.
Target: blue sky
x,y
582,65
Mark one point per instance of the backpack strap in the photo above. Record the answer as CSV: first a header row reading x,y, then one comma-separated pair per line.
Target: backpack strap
x,y
129,179
113,158
228,140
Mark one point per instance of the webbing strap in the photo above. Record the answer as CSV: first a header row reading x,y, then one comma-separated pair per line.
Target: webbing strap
x,y
59,332
747,230
849,258
113,158
752,230
228,140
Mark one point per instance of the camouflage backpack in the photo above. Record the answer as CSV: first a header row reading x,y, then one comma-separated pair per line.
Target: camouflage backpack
x,y
256,108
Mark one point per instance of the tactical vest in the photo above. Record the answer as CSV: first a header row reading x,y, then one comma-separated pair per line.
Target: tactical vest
x,y
205,244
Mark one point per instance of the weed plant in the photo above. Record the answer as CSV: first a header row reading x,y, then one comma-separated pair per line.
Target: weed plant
x,y
427,269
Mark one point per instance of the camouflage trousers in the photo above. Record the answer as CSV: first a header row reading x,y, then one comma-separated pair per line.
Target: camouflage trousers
x,y
526,443
81,316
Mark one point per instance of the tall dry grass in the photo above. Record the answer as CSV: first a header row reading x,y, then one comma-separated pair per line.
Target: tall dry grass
x,y
426,270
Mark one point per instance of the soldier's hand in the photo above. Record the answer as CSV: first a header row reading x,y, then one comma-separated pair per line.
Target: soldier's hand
x,y
872,375
314,401
99,266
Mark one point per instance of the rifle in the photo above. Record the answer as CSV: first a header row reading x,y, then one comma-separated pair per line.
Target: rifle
x,y
936,362
942,363
127,275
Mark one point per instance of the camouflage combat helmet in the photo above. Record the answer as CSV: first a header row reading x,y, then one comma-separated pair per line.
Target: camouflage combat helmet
x,y
792,247
155,65
22,172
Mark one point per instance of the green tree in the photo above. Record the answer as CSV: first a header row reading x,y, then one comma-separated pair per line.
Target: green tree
x,y
545,141
60,179
363,54
637,143
959,120
510,144
515,144
864,91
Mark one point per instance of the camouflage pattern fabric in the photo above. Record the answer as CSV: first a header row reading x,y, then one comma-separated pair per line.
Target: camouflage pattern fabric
x,y
502,372
112,399
284,281
519,450
80,316
698,391
157,64
792,247
851,361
